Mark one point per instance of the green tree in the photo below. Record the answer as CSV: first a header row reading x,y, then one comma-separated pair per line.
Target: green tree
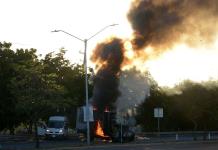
x,y
199,102
8,101
188,106
35,92
33,89
71,77
156,98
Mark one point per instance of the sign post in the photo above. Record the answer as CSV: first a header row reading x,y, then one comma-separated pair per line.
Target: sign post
x,y
88,114
120,119
158,113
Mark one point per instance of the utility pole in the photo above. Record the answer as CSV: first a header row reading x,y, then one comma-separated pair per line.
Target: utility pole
x,y
85,41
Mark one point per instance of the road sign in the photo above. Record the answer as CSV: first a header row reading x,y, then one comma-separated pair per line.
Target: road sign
x,y
119,119
158,112
88,113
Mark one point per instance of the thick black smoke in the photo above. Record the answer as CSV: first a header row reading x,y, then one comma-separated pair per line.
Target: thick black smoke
x,y
162,23
156,23
110,56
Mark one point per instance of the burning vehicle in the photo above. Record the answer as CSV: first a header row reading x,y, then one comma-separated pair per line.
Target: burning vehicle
x,y
109,57
105,126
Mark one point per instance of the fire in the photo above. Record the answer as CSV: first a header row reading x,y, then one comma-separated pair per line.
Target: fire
x,y
99,130
129,53
95,108
106,109
100,133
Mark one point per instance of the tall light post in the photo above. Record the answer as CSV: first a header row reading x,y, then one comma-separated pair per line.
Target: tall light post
x,y
85,69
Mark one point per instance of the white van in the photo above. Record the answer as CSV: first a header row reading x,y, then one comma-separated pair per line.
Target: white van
x,y
57,127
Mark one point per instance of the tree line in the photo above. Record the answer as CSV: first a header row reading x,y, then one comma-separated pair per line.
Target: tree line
x,y
32,89
189,106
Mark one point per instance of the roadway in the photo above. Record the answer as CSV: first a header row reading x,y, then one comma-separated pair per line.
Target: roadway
x,y
77,145
155,146
141,143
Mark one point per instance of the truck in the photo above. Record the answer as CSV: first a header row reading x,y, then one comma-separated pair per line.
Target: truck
x,y
81,126
57,127
112,129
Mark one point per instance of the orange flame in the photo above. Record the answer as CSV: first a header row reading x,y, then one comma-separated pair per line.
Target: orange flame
x,y
106,109
99,130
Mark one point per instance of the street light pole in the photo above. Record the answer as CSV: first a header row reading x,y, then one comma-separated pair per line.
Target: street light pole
x,y
85,41
87,94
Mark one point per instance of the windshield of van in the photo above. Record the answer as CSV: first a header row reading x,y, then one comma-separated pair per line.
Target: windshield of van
x,y
55,124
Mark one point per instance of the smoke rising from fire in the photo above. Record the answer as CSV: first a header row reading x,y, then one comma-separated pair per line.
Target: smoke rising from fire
x,y
109,55
158,25
163,23
134,87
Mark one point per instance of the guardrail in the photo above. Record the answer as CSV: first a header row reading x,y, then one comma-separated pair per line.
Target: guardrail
x,y
178,136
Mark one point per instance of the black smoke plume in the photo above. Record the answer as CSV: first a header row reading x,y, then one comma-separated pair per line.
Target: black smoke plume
x,y
162,23
110,56
157,23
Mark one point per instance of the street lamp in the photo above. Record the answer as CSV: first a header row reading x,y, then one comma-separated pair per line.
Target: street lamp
x,y
85,68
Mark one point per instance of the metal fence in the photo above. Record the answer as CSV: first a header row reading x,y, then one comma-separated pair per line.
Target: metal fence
x,y
176,136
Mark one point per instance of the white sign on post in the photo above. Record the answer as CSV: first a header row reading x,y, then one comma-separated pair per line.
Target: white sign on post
x,y
158,112
119,119
88,113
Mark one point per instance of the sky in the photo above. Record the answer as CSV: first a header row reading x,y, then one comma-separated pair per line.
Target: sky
x,y
196,64
28,24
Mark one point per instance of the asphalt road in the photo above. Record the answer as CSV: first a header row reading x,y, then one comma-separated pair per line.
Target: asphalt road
x,y
70,145
156,146
45,144
156,143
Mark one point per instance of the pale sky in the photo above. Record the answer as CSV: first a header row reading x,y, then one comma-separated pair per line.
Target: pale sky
x,y
196,64
28,24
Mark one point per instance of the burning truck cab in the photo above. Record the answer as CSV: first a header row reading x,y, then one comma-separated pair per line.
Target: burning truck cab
x,y
105,126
